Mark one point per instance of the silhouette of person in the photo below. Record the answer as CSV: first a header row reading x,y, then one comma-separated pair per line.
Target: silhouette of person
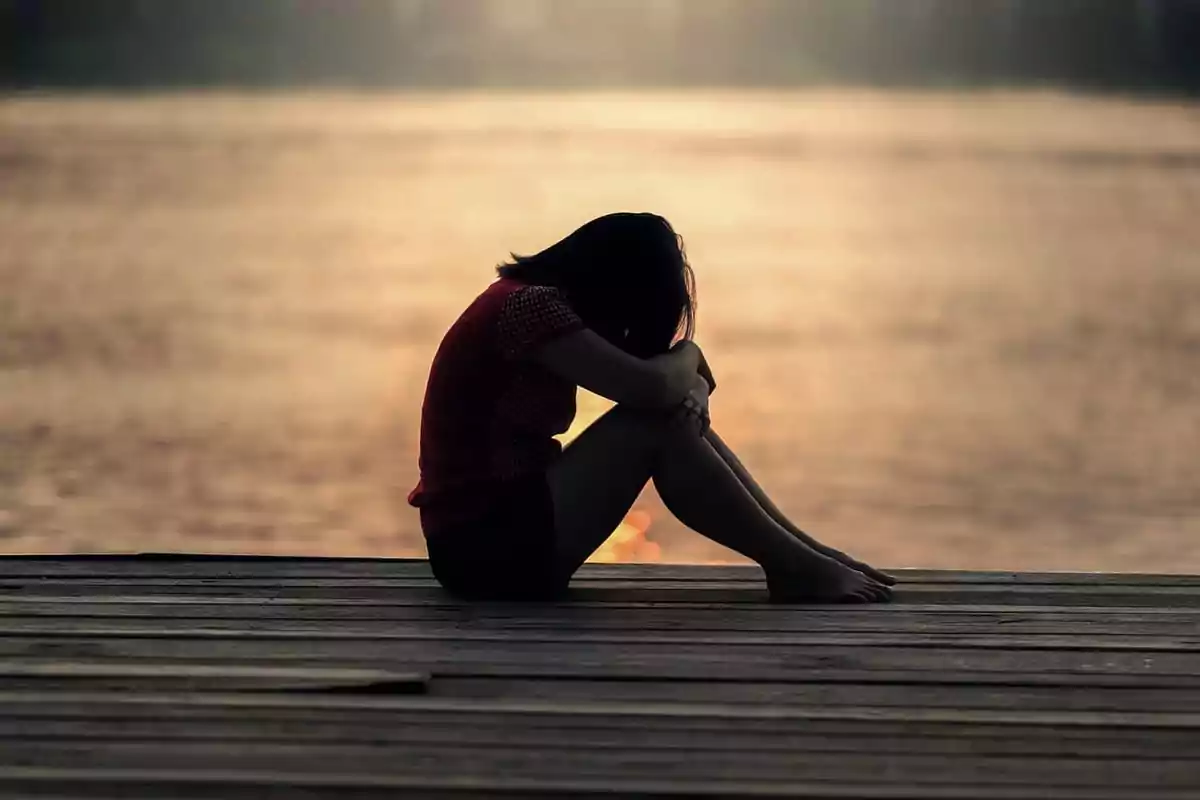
x,y
507,513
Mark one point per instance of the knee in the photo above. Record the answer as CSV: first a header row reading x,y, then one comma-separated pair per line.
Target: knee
x,y
648,419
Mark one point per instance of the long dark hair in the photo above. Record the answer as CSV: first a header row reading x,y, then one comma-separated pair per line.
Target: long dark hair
x,y
626,275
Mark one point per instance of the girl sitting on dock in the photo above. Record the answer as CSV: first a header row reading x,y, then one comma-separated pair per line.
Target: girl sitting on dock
x,y
510,515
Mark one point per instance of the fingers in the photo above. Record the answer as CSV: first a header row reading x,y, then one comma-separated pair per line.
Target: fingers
x,y
695,408
706,373
689,413
683,419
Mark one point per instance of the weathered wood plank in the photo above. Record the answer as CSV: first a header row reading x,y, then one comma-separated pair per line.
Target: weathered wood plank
x,y
704,676
402,602
185,566
586,578
368,618
616,592
70,629
243,582
207,677
688,738
905,575
734,595
224,784
600,659
948,690
433,760
965,696
587,713
1178,637
663,677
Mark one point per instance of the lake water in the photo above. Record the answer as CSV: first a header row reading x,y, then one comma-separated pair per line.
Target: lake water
x,y
951,330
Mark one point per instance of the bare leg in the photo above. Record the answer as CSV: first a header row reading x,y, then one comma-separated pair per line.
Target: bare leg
x,y
597,480
599,476
781,519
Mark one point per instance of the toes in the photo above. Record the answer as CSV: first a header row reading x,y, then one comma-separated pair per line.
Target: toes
x,y
881,577
877,592
871,572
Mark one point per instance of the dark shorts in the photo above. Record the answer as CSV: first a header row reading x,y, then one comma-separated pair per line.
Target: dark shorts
x,y
507,553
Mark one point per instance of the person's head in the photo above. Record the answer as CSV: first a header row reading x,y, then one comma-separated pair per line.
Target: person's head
x,y
626,275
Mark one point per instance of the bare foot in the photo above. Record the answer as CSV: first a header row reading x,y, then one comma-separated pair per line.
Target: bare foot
x,y
866,569
825,580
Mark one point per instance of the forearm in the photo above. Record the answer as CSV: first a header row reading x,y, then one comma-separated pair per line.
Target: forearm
x,y
587,360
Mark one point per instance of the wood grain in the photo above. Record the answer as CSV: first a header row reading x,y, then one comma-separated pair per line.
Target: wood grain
x,y
227,677
158,566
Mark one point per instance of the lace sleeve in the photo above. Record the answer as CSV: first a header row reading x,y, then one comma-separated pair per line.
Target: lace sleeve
x,y
532,316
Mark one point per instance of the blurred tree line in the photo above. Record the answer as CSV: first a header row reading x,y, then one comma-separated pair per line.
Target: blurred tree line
x,y
1117,44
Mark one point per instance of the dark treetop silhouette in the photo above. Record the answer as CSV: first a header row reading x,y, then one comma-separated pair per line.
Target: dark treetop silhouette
x,y
1115,44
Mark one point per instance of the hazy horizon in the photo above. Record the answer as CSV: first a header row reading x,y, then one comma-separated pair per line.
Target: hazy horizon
x,y
1125,45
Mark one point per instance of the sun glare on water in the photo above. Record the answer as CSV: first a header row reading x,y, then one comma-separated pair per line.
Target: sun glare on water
x,y
629,542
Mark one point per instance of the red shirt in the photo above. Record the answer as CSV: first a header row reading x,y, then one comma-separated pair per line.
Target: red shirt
x,y
490,411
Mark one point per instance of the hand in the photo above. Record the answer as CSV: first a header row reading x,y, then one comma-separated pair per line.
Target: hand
x,y
706,373
694,408
704,370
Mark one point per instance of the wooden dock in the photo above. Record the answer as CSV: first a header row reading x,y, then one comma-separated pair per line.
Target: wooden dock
x,y
188,677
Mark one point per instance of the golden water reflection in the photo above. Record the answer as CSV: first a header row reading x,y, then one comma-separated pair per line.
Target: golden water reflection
x,y
950,329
